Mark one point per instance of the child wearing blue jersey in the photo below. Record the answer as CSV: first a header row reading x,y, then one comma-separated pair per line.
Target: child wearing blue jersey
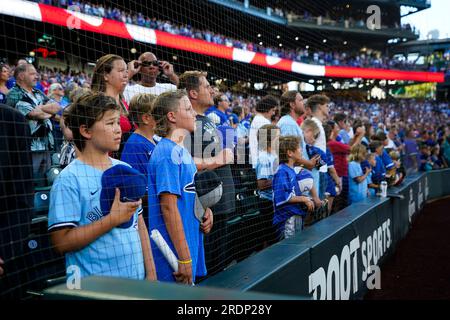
x,y
288,216
357,179
91,241
266,166
142,142
171,191
379,170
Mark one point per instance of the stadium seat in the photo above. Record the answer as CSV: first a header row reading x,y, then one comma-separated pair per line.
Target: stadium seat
x,y
55,159
234,235
41,201
44,263
52,174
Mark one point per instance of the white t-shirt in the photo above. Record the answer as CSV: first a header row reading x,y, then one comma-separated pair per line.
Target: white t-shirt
x,y
131,90
257,123
390,145
321,141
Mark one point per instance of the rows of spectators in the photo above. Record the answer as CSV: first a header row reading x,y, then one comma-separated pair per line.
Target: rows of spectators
x,y
366,59
312,157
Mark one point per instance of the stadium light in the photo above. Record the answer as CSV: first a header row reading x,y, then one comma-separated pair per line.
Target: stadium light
x,y
345,43
32,53
324,41
133,50
280,44
307,47
278,37
259,35
296,38
261,43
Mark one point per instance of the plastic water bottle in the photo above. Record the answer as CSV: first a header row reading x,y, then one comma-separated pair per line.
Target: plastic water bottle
x,y
383,189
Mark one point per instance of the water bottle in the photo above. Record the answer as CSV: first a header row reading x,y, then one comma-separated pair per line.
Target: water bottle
x,y
383,189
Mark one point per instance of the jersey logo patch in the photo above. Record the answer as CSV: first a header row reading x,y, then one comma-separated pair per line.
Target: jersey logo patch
x,y
190,187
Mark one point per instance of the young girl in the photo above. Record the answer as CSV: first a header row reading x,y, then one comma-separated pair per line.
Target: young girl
x,y
142,142
171,191
357,179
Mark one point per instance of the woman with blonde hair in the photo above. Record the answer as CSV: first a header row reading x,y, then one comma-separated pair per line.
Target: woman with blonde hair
x,y
358,181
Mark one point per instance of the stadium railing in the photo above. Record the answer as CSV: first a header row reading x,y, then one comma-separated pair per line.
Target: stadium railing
x,y
337,258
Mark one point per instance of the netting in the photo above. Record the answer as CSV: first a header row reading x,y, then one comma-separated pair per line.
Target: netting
x,y
87,84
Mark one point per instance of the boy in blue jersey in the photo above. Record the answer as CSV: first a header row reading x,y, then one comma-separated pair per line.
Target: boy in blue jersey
x,y
171,191
372,162
91,241
379,170
266,166
388,164
288,216
142,142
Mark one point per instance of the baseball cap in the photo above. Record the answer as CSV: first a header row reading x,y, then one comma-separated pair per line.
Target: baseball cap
x,y
208,188
132,185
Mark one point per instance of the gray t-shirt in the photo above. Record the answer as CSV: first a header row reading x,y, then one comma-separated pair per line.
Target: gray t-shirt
x,y
205,143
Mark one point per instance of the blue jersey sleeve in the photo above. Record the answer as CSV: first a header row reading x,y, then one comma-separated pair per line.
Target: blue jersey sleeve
x,y
65,207
330,159
354,170
168,177
369,179
134,156
387,160
283,191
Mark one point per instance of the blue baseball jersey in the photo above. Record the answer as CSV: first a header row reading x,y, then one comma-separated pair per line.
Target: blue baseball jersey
x,y
379,171
171,170
265,169
221,117
357,191
137,152
285,186
387,160
75,202
228,136
305,181
288,127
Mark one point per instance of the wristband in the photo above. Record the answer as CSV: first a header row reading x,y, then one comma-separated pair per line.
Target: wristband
x,y
185,261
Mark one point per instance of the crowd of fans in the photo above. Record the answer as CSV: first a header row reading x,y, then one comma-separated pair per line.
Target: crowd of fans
x,y
367,59
311,157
